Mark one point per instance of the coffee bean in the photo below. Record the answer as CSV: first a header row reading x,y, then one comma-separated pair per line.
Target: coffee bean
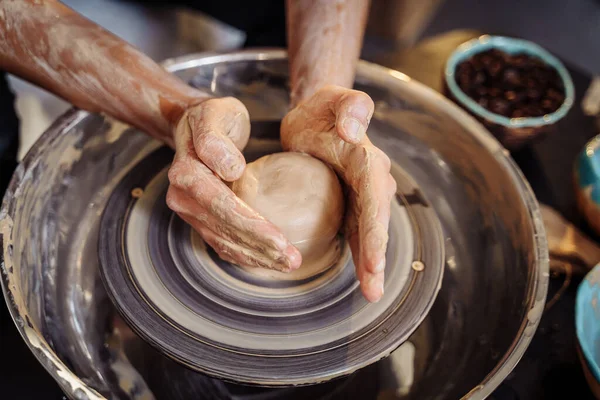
x,y
534,94
521,96
464,68
481,91
520,60
541,75
496,53
495,69
487,60
510,95
531,83
511,76
538,62
555,95
477,64
494,92
549,105
499,106
464,80
533,110
472,92
518,113
479,78
555,81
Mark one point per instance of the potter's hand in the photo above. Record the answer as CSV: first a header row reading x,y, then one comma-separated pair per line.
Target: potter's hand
x,y
331,126
208,139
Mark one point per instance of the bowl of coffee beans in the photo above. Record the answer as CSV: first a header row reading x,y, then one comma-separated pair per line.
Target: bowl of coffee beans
x,y
515,87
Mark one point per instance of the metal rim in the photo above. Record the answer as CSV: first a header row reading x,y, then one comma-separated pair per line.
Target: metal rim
x,y
40,348
538,282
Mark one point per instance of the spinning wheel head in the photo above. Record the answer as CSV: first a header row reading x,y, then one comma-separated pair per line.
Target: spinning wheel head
x,y
222,320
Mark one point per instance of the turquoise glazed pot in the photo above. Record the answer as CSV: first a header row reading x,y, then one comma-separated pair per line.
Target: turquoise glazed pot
x,y
587,323
511,132
587,182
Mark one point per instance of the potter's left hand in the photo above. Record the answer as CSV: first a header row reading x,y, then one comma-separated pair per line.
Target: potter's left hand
x,y
208,140
331,125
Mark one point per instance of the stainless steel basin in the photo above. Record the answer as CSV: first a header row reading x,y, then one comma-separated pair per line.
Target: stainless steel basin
x,y
486,313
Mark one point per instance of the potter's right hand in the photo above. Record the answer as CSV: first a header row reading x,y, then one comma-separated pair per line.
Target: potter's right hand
x,y
208,140
319,126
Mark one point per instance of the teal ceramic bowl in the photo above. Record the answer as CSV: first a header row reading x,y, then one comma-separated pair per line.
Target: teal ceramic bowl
x,y
587,182
587,323
511,132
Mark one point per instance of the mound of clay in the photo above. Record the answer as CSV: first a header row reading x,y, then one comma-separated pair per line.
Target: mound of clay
x,y
303,197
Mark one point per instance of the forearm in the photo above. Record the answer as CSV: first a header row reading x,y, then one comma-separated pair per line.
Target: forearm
x,y
324,43
51,45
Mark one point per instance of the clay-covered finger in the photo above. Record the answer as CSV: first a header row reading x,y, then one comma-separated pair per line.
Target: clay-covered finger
x,y
353,240
371,284
220,128
216,151
326,146
354,110
216,243
233,117
233,252
219,154
373,220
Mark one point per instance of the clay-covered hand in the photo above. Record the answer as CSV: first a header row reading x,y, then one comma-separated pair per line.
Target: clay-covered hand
x,y
331,125
208,140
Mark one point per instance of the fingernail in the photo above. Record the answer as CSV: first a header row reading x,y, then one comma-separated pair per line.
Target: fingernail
x,y
380,267
372,287
376,284
361,112
354,129
294,257
237,169
233,169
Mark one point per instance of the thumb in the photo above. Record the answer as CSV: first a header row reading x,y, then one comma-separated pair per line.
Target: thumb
x,y
354,110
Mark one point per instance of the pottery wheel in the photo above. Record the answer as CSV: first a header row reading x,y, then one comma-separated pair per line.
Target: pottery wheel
x,y
217,318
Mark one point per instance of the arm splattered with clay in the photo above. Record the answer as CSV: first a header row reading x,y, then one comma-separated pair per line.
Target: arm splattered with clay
x,y
47,43
51,45
329,121
325,38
